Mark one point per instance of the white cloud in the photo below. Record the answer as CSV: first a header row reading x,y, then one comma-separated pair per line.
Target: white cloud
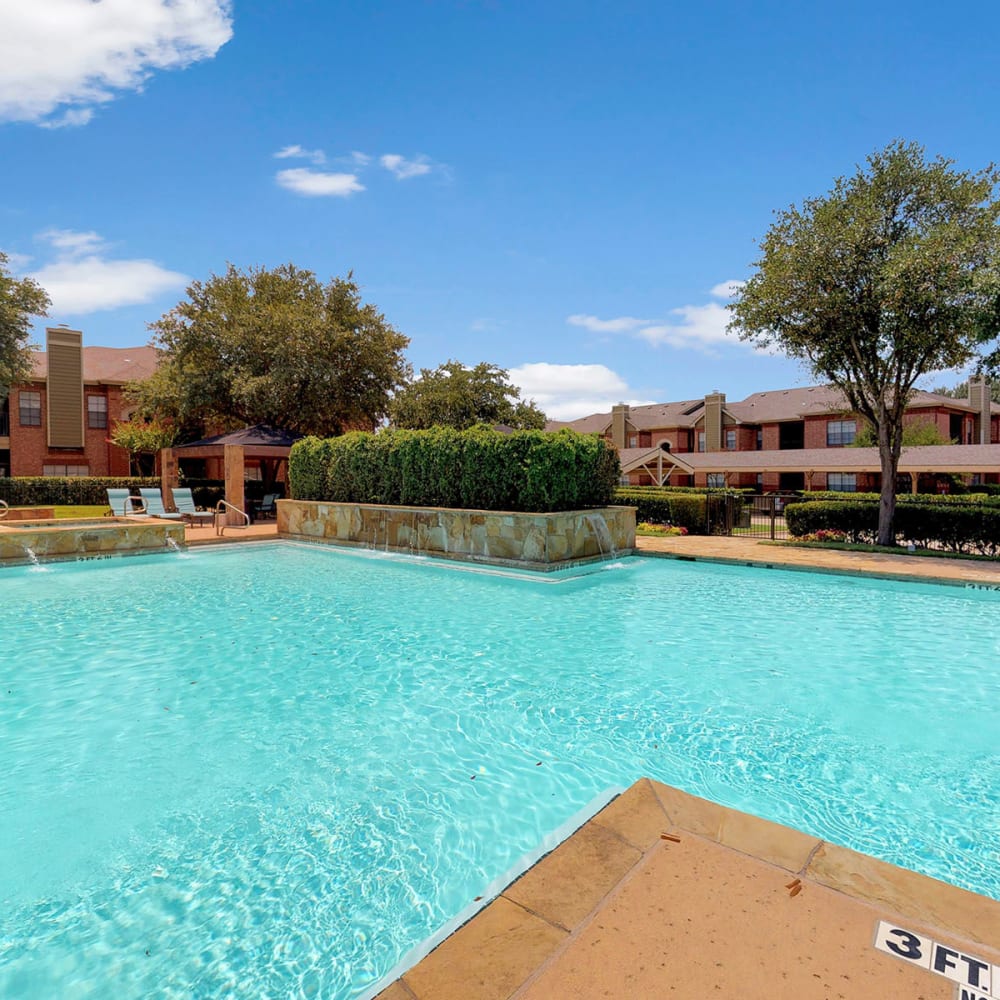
x,y
316,183
316,156
17,261
403,168
693,327
82,280
566,392
623,324
78,54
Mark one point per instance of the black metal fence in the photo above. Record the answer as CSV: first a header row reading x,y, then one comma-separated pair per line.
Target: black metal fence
x,y
759,516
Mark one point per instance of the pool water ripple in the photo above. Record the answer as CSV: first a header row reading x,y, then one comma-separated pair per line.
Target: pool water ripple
x,y
275,771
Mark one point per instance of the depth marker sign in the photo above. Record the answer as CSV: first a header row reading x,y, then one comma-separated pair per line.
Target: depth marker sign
x,y
974,977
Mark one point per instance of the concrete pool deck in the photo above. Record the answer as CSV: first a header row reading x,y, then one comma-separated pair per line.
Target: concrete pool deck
x,y
663,894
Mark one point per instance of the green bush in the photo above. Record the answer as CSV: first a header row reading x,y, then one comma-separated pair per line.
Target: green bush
x,y
684,510
938,498
53,491
956,527
442,467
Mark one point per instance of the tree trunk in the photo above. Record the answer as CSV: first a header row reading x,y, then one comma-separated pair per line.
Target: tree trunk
x,y
889,447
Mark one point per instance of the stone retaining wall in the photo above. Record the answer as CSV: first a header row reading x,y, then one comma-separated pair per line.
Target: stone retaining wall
x,y
85,539
536,541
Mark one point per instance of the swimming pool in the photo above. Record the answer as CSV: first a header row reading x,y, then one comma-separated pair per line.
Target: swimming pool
x,y
271,770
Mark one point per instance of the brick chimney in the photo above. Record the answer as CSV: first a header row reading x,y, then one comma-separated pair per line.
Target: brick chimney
x,y
619,425
979,397
714,402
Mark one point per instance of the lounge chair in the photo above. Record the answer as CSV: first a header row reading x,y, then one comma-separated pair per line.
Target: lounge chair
x,y
121,503
184,502
155,508
267,507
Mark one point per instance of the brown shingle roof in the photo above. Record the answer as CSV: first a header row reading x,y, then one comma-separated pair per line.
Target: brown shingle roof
x,y
106,365
759,407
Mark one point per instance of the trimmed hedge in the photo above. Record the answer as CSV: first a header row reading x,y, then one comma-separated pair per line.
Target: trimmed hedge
x,y
683,510
938,498
50,491
956,527
479,468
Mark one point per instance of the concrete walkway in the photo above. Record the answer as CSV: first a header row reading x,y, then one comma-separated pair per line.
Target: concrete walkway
x,y
751,551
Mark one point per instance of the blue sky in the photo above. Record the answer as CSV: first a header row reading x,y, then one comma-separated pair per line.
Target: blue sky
x,y
564,189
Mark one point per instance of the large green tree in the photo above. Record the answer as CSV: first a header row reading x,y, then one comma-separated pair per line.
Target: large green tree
x,y
275,347
20,299
452,395
892,274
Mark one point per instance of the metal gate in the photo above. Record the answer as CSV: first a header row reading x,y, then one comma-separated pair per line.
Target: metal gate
x,y
758,516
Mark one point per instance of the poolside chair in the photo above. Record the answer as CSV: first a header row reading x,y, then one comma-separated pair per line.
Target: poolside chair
x,y
155,508
267,507
121,503
184,502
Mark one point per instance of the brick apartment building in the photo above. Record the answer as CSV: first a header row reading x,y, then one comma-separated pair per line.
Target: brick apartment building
x,y
57,423
795,439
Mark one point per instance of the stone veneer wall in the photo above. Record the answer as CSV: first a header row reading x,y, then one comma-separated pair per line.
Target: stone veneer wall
x,y
85,539
536,541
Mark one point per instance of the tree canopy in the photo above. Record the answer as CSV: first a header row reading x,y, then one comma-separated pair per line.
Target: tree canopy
x,y
452,395
275,347
20,299
892,274
961,391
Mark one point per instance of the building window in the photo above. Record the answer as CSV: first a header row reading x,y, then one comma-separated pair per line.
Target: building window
x,y
730,440
701,440
30,404
760,440
716,481
65,470
760,482
842,482
97,412
840,432
632,441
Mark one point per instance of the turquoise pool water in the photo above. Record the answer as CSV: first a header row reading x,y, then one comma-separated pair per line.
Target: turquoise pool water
x,y
270,771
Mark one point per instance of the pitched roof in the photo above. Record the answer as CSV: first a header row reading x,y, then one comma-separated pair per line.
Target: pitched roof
x,y
105,365
760,407
259,434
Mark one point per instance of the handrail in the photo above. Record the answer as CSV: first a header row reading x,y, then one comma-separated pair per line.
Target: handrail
x,y
4,507
220,508
129,510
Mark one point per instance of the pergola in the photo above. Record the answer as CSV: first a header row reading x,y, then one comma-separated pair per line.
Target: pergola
x,y
260,442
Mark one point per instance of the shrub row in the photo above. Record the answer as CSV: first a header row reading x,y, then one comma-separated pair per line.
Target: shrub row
x,y
683,510
49,491
479,468
957,527
931,498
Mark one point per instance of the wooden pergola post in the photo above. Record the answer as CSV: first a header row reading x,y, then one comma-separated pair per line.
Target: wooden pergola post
x,y
169,476
233,460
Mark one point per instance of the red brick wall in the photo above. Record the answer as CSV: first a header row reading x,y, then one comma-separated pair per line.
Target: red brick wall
x,y
30,453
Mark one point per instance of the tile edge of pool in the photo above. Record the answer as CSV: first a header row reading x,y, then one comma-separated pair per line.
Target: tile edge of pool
x,y
564,832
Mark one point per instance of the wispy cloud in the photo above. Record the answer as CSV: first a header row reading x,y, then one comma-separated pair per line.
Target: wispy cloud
x,y
319,184
623,324
342,184
566,392
692,327
316,156
403,168
82,279
61,59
